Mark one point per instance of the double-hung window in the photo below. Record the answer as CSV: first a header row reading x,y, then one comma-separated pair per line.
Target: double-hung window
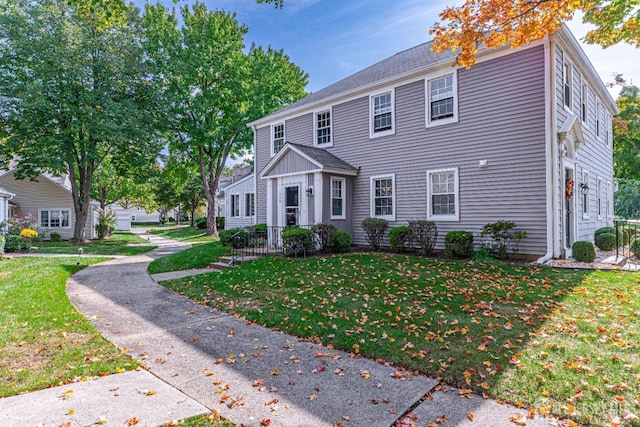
x,y
249,204
337,198
382,111
584,102
235,205
383,197
442,105
598,121
566,84
277,138
55,218
323,128
443,195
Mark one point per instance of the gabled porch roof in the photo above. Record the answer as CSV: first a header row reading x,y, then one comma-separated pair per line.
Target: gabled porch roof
x,y
294,159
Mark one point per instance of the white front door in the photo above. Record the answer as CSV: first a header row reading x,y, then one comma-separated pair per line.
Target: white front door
x,y
292,203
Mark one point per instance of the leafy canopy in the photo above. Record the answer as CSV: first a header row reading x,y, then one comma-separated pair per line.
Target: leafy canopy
x,y
494,23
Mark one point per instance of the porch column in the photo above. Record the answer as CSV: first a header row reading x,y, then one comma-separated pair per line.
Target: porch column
x,y
318,197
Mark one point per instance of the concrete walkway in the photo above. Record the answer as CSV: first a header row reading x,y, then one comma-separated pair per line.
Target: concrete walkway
x,y
199,360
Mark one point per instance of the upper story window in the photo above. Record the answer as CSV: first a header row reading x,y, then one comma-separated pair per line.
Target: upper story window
x,y
442,103
249,204
337,198
55,218
607,129
584,102
443,195
566,84
323,128
277,138
383,197
598,121
382,110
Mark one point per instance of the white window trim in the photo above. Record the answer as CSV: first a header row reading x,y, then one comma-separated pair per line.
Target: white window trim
x,y
272,139
599,200
585,178
133,218
454,119
315,127
566,62
433,217
343,182
372,200
244,210
391,131
231,206
49,217
598,122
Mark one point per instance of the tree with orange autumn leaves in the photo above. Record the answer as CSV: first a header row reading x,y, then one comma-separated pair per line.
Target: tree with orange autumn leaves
x,y
494,23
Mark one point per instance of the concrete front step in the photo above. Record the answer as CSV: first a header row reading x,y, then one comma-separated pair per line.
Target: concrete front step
x,y
620,260
226,262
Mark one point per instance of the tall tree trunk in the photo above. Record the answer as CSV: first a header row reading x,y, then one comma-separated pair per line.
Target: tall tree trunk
x,y
81,193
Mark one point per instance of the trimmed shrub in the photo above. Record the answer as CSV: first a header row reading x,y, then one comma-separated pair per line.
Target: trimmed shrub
x,y
201,223
399,238
260,227
219,223
239,242
502,239
424,234
374,229
483,253
297,240
625,236
14,243
635,248
341,242
55,237
606,241
459,244
583,251
602,230
326,235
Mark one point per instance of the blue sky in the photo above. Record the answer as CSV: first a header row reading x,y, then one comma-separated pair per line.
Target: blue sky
x,y
331,39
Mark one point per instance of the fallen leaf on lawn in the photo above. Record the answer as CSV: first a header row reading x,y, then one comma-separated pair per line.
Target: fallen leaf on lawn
x,y
629,416
569,408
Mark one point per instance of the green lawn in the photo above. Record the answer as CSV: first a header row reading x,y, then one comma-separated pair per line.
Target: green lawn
x,y
117,244
184,234
558,341
198,256
44,341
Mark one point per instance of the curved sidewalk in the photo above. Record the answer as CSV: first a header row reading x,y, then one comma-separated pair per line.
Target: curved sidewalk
x,y
249,374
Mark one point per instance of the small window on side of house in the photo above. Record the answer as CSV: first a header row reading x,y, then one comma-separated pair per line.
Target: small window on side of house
x,y
383,197
598,124
235,205
382,111
55,218
277,138
584,103
599,197
249,204
442,101
323,128
443,202
566,84
338,197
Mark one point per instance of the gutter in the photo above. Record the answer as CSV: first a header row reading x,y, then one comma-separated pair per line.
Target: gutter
x,y
551,148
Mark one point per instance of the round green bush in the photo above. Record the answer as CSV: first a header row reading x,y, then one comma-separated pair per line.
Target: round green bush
x,y
602,230
341,242
459,244
297,240
635,248
14,243
399,238
201,223
606,241
55,237
583,251
241,239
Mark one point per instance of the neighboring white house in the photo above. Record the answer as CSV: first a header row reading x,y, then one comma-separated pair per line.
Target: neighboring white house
x,y
49,199
127,216
240,203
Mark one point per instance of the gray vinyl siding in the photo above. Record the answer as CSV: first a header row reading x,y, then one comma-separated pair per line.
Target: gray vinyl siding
x,y
241,188
291,162
594,155
43,195
341,224
501,120
262,157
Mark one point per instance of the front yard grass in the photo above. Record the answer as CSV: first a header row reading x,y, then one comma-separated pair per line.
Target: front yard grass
x,y
557,341
183,234
44,341
198,256
117,244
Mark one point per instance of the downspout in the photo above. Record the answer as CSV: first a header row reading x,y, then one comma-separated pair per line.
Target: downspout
x,y
551,143
255,177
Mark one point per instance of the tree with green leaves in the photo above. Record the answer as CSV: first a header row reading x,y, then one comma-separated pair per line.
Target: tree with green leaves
x,y
213,88
626,152
192,196
74,93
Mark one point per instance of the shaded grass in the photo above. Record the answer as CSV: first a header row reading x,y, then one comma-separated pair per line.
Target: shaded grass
x,y
184,234
198,256
519,333
206,421
117,244
44,341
